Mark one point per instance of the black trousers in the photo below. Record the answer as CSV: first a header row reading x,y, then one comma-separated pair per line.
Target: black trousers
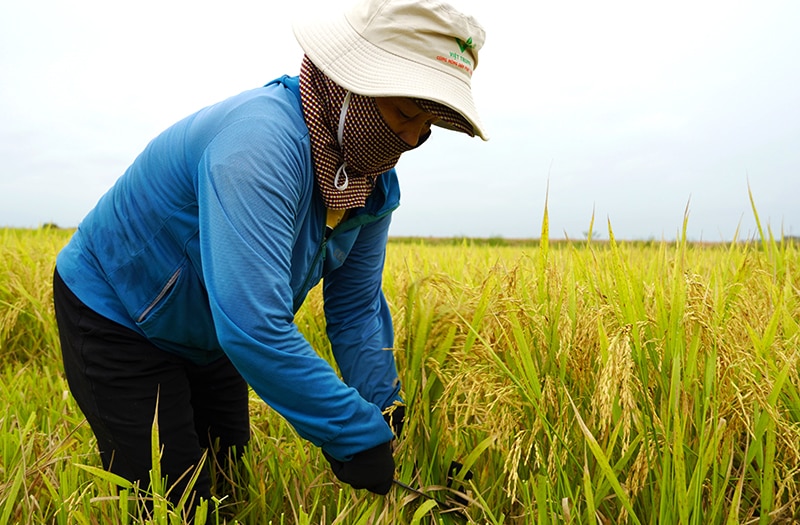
x,y
120,381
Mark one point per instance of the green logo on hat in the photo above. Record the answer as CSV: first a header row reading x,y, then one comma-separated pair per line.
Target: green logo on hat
x,y
465,45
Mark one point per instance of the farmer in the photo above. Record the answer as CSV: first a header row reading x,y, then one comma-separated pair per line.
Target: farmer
x,y
179,288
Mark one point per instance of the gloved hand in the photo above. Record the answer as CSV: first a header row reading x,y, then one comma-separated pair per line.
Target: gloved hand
x,y
372,469
395,415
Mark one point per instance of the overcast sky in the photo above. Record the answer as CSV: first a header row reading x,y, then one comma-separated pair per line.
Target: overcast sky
x,y
627,110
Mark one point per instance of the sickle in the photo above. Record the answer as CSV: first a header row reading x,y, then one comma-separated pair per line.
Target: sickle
x,y
448,508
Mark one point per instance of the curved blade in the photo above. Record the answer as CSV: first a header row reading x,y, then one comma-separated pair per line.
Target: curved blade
x,y
446,506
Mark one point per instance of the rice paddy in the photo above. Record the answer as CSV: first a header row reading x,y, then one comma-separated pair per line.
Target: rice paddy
x,y
577,381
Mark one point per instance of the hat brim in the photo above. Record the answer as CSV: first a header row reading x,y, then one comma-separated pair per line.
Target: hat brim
x,y
359,66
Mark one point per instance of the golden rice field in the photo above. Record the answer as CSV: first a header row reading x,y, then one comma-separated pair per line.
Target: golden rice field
x,y
580,382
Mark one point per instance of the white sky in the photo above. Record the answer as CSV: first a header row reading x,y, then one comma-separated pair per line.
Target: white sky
x,y
626,109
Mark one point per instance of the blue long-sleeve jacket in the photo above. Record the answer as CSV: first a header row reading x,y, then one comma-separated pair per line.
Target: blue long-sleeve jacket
x,y
210,242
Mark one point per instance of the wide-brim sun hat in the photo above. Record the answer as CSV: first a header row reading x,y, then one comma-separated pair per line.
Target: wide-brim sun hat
x,y
423,49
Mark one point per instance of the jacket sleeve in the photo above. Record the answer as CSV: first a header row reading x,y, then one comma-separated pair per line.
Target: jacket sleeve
x,y
250,184
359,322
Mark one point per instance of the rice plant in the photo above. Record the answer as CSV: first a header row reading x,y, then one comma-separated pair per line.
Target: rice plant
x,y
575,382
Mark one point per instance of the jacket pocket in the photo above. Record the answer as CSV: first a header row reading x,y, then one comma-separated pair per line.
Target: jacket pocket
x,y
179,316
161,295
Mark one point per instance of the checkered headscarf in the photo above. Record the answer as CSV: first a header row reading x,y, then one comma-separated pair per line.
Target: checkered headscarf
x,y
346,173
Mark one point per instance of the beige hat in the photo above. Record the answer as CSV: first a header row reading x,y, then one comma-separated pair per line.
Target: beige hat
x,y
423,49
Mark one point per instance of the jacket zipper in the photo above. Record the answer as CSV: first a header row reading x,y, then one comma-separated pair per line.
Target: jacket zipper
x,y
164,291
320,255
348,224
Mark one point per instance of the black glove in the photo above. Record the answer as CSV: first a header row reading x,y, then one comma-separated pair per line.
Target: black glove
x,y
452,472
394,416
372,469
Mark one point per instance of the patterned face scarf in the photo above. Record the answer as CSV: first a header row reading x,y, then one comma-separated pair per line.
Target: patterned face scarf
x,y
351,144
